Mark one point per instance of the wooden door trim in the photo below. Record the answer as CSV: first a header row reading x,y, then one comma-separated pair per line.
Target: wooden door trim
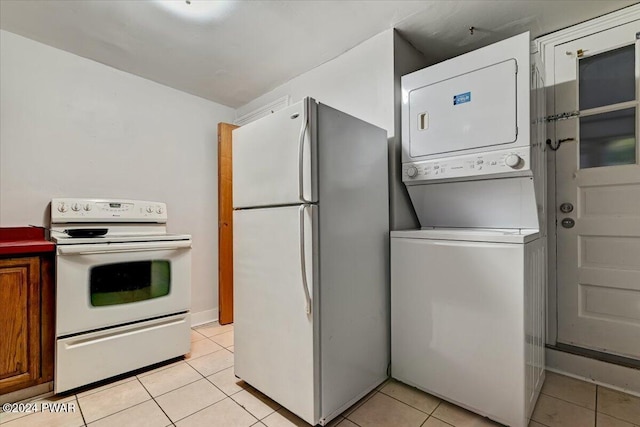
x,y
225,224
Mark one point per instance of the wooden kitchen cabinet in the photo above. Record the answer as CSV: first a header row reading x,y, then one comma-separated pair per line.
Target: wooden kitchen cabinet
x,y
26,321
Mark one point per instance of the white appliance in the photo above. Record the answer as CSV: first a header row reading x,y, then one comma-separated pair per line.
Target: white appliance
x,y
466,317
471,156
123,289
467,289
311,259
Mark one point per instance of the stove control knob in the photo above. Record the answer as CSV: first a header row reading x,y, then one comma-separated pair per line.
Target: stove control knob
x,y
87,207
75,207
512,160
149,209
62,207
159,209
412,171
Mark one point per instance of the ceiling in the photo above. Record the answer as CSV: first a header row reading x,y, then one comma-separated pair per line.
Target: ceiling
x,y
243,49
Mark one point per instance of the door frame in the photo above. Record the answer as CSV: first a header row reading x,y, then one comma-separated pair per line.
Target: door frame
x,y
545,47
225,228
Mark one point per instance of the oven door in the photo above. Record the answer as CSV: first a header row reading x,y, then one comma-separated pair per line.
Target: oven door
x,y
109,284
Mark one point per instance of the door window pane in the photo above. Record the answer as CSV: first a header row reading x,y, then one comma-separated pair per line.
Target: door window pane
x,y
607,78
608,139
128,282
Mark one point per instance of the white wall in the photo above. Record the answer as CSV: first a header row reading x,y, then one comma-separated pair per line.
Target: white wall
x,y
358,82
72,127
363,82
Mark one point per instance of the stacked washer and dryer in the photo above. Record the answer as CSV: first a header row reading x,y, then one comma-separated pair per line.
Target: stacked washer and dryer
x,y
467,289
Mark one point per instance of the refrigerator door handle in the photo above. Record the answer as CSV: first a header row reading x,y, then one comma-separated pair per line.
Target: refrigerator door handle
x,y
303,132
303,263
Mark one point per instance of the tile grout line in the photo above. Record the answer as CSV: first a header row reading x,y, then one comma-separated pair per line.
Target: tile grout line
x,y
228,395
364,402
359,403
117,412
202,409
124,409
106,386
436,418
609,415
573,403
80,409
177,388
411,406
207,354
149,372
247,411
214,335
186,416
449,424
351,421
213,373
633,423
255,416
156,402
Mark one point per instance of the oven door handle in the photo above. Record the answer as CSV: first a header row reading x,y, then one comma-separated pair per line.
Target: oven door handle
x,y
111,248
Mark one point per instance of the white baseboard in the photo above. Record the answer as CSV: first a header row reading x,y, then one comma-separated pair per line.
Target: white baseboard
x,y
202,317
594,371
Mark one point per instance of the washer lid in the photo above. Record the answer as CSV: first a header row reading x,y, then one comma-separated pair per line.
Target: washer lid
x,y
492,235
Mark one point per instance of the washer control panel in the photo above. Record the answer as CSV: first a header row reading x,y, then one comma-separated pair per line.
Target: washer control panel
x,y
107,210
468,166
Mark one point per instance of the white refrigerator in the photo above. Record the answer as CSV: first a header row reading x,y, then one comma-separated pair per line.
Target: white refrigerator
x,y
311,257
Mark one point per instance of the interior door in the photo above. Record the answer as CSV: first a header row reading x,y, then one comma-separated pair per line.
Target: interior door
x,y
272,158
225,224
598,192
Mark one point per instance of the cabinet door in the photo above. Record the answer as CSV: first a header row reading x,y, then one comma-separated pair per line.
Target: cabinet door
x,y
19,323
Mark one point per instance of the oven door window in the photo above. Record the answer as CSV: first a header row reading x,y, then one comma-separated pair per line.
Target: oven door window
x,y
128,282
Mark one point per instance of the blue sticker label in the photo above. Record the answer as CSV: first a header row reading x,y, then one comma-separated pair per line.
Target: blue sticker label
x,y
462,98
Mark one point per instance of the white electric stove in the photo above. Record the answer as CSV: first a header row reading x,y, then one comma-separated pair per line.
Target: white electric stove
x,y
123,288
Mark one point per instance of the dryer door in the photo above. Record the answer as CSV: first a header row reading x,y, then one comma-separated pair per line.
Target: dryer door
x,y
472,110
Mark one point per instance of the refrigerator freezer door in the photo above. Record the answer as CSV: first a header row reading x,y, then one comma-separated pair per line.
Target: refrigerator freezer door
x,y
275,338
273,158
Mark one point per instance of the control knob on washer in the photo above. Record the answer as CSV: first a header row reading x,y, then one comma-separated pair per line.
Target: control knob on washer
x,y
75,207
62,207
412,171
149,209
512,160
159,209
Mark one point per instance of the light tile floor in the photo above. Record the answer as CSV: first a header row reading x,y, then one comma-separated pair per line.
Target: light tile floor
x,y
201,390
